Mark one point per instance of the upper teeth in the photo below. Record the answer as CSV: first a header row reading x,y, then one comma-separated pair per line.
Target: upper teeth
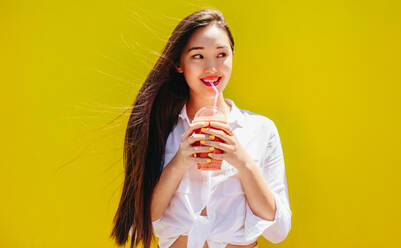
x,y
210,81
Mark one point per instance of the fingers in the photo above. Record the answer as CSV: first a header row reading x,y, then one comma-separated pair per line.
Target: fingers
x,y
193,150
197,137
192,154
201,160
220,134
219,145
221,156
222,126
201,149
188,148
192,127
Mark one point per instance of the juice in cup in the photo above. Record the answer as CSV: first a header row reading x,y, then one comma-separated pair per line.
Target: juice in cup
x,y
210,114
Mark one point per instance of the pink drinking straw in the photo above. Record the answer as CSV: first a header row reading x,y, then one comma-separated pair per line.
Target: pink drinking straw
x,y
215,97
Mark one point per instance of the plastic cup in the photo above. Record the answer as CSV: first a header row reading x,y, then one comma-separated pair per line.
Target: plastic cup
x,y
209,114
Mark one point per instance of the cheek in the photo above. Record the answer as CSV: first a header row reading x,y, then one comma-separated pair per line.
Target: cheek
x,y
227,67
192,69
192,72
228,62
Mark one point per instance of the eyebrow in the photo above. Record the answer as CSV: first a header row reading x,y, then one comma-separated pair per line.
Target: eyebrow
x,y
195,48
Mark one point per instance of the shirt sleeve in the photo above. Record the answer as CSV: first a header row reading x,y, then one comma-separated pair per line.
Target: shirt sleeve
x,y
168,156
273,170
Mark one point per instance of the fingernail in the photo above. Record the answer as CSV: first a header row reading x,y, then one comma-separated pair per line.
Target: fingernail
x,y
211,148
209,160
211,136
203,129
202,142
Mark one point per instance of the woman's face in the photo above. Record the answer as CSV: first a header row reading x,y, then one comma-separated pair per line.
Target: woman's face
x,y
207,56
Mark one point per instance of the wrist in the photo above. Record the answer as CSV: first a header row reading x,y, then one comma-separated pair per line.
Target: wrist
x,y
179,163
246,165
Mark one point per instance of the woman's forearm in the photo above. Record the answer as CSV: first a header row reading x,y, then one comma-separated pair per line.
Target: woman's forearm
x,y
260,199
165,188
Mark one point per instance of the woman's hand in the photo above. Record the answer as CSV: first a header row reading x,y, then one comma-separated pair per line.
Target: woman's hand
x,y
186,153
233,152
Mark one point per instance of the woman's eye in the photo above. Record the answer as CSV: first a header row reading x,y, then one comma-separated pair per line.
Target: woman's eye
x,y
194,56
223,54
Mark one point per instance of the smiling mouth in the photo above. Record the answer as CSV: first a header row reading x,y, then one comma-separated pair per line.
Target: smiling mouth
x,y
211,82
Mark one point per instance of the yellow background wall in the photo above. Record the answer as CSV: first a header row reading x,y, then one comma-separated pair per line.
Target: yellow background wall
x,y
327,72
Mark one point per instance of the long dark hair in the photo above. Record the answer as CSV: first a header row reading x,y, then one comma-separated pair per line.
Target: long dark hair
x,y
154,114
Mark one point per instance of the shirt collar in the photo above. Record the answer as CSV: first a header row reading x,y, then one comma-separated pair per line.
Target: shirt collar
x,y
234,117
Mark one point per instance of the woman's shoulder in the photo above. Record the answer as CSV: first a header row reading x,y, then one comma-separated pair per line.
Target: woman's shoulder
x,y
252,118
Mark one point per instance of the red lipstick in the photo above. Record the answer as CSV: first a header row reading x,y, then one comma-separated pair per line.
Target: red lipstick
x,y
210,78
215,82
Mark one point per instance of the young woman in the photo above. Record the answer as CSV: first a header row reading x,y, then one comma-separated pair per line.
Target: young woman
x,y
164,194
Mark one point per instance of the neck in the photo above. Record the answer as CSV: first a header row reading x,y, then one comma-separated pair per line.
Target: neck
x,y
194,104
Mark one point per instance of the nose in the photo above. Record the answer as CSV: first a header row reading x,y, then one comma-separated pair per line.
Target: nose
x,y
210,66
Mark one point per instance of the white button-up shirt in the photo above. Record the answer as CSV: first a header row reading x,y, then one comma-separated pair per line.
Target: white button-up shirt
x,y
229,218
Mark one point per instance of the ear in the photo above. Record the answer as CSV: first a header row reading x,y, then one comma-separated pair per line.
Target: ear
x,y
179,69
